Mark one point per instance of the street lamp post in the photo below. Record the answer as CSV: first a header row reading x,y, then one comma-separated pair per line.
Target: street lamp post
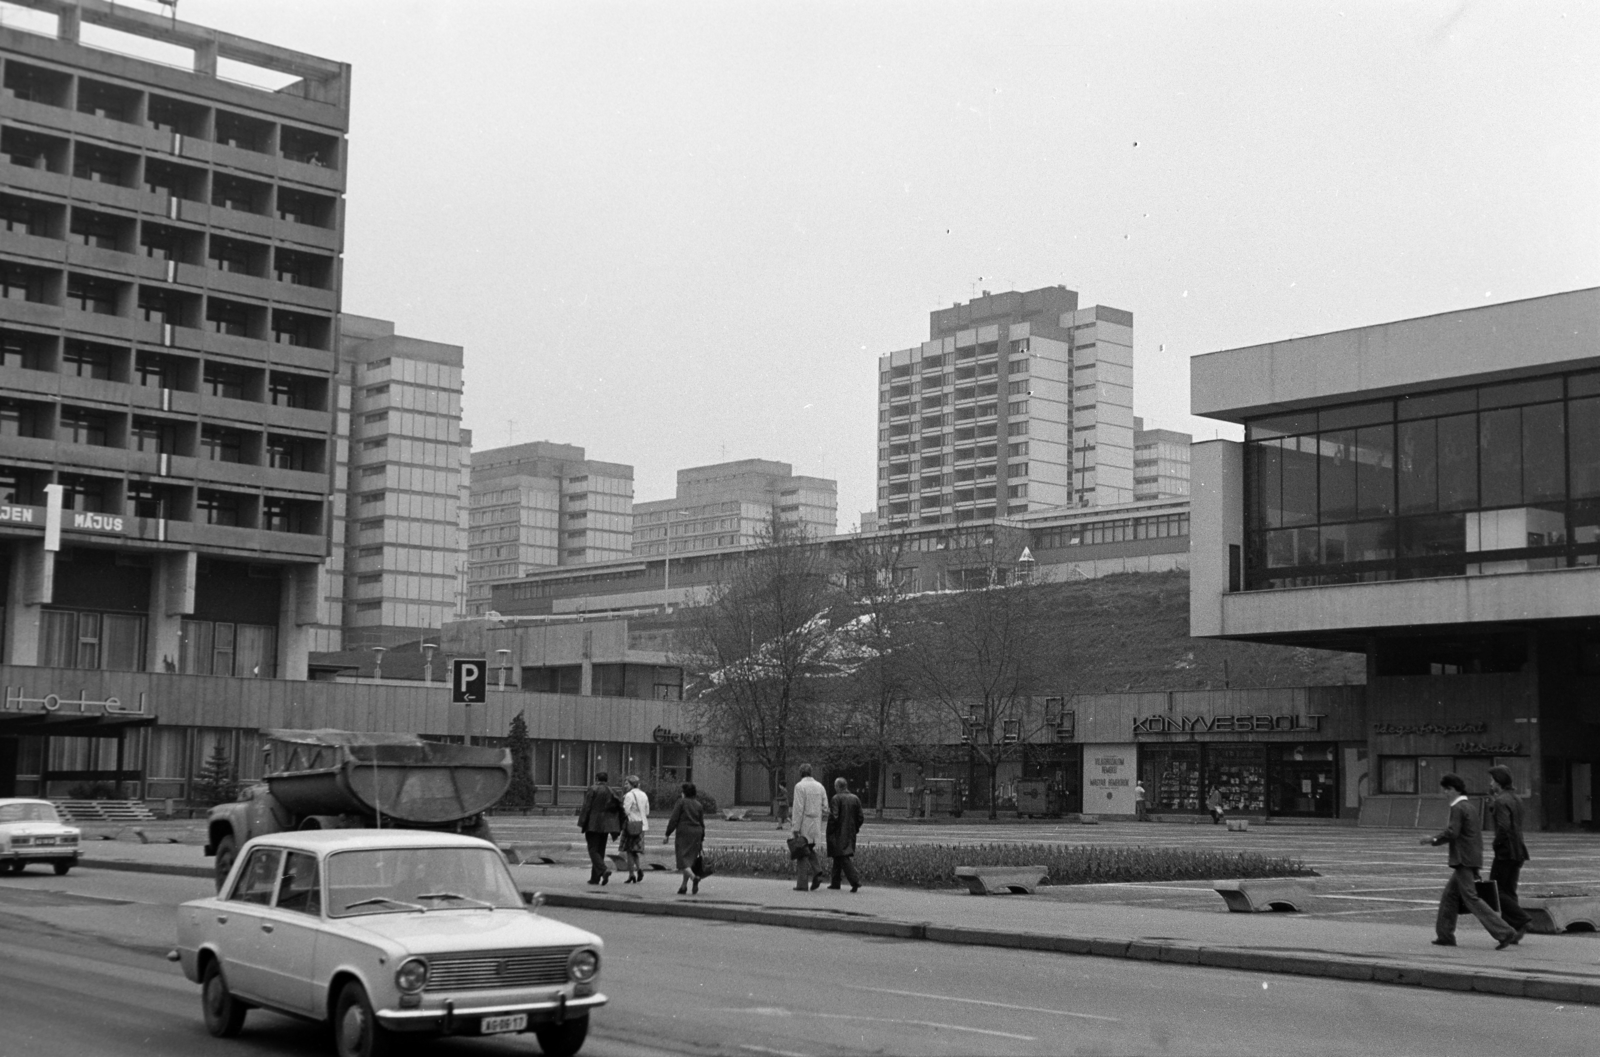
x,y
427,661
377,666
505,665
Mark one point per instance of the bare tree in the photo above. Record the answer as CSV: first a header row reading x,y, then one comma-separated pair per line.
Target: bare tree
x,y
982,653
760,651
879,718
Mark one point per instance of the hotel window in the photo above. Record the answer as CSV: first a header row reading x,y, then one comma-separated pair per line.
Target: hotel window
x,y
91,640
219,379
78,426
221,445
154,435
222,648
219,508
91,295
83,360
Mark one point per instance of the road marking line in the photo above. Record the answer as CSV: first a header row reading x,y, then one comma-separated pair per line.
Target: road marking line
x,y
777,1011
985,1002
775,1053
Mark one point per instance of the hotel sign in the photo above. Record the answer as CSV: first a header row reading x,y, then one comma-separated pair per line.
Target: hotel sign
x,y
1163,723
83,704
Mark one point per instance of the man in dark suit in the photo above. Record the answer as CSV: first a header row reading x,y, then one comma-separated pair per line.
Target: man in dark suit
x,y
600,818
1464,835
1510,852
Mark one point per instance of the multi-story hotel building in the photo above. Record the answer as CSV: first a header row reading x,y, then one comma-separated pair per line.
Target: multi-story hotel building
x,y
1425,493
169,290
731,504
1017,402
540,505
400,536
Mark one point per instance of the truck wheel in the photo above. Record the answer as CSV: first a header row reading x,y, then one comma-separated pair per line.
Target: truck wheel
x,y
564,1039
62,866
227,851
224,1014
356,1032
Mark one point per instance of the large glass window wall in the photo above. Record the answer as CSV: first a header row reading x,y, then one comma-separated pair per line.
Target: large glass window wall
x,y
1472,481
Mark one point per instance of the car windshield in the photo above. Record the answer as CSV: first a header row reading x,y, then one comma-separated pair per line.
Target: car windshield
x,y
28,813
392,880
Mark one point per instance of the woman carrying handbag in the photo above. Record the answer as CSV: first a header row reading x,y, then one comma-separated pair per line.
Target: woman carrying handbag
x,y
688,821
635,821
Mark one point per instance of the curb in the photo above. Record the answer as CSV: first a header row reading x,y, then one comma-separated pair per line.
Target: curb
x,y
1514,984
176,869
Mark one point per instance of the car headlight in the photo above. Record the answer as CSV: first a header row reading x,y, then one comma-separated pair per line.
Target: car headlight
x,y
411,976
584,964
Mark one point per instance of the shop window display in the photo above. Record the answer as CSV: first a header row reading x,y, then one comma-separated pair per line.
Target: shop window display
x,y
1241,773
1172,775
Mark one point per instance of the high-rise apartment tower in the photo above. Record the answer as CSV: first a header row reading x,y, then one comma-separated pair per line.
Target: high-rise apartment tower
x,y
1017,402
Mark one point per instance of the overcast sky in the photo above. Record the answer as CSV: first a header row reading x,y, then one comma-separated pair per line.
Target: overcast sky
x,y
680,233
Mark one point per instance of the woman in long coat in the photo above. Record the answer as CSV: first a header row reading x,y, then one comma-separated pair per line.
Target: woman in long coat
x,y
688,822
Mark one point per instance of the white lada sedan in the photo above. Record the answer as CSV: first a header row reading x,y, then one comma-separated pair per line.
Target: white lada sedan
x,y
385,932
32,831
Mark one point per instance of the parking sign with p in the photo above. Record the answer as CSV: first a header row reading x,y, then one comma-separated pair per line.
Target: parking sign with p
x,y
469,680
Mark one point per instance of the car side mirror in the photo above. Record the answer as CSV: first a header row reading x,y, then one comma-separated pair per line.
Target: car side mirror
x,y
533,899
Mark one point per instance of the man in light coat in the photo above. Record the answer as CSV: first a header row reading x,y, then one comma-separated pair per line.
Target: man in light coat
x,y
808,809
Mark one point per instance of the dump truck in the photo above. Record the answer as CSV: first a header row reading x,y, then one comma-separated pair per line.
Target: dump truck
x,y
339,779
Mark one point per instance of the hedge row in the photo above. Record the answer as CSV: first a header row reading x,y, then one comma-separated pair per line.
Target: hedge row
x,y
934,865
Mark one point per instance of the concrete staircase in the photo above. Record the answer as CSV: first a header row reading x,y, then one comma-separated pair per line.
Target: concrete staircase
x,y
114,812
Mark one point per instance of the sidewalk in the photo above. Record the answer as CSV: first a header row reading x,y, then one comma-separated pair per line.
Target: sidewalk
x,y
1560,968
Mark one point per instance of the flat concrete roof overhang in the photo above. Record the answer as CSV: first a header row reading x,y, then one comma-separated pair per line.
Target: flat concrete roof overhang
x,y
60,725
1516,339
1343,616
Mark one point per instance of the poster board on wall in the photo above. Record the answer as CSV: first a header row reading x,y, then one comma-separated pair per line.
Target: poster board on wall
x,y
1109,773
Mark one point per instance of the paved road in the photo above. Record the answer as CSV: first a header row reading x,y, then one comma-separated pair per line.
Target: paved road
x,y
83,975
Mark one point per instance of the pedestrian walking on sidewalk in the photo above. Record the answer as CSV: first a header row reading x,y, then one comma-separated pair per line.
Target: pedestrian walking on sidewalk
x,y
1510,851
844,821
1140,809
600,818
635,822
1464,835
808,809
780,806
1215,804
688,822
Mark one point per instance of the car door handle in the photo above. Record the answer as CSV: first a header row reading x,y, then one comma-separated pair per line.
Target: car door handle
x,y
266,927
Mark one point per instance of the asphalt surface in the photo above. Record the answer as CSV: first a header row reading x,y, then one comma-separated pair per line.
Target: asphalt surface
x,y
1369,917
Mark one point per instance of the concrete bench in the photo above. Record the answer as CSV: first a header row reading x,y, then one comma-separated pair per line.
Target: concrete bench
x,y
990,880
1238,825
543,853
655,856
737,814
1248,897
1561,913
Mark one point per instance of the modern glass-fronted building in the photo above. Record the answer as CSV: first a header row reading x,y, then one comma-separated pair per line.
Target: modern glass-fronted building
x,y
1427,493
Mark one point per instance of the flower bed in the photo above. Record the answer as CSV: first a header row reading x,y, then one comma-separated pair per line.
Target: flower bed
x,y
934,865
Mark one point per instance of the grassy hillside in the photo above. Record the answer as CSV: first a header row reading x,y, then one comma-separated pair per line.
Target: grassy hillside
x,y
1131,632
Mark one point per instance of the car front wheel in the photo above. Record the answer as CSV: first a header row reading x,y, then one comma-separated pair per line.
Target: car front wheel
x,y
224,1013
14,866
356,1032
564,1039
62,866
